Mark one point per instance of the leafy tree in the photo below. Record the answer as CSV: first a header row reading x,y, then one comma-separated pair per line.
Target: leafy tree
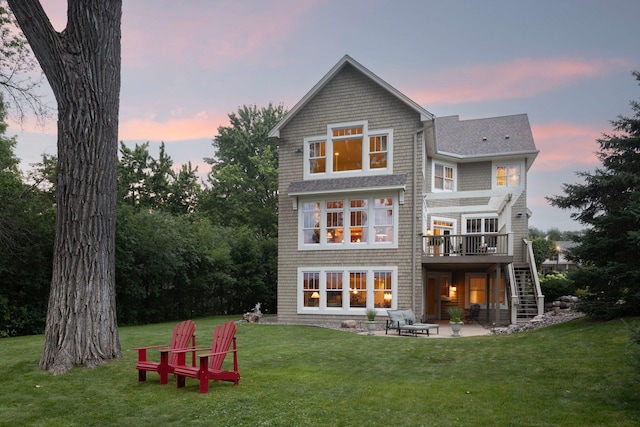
x,y
535,233
554,234
244,172
82,65
243,196
147,183
133,173
26,239
17,66
609,203
543,249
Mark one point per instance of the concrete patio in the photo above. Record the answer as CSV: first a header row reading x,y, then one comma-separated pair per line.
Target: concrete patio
x,y
468,330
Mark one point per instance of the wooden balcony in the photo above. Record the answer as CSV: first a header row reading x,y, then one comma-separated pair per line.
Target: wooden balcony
x,y
489,248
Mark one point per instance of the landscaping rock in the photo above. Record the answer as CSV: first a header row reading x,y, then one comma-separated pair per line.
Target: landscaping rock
x,y
348,324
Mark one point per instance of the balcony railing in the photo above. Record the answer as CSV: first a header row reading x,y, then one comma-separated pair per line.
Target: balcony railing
x,y
466,244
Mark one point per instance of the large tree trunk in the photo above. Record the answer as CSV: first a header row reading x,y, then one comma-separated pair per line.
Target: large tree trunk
x,y
82,64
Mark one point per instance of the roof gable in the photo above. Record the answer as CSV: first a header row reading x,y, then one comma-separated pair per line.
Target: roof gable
x,y
347,60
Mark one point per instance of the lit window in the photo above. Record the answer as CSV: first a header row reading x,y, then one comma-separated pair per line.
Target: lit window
x,y
346,290
345,223
443,177
358,232
382,295
347,149
311,289
477,291
335,221
358,289
508,176
344,151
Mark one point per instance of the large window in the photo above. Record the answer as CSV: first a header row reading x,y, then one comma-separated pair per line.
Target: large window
x,y
443,177
478,290
348,149
348,223
507,175
346,290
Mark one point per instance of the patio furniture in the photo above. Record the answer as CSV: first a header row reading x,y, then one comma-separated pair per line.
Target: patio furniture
x,y
210,369
183,337
405,321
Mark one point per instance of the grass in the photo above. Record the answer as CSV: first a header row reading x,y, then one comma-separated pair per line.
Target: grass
x,y
572,374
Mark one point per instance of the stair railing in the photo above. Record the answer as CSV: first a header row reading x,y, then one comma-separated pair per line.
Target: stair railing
x,y
531,261
515,299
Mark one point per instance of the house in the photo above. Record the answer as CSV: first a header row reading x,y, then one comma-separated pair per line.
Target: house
x,y
560,261
383,205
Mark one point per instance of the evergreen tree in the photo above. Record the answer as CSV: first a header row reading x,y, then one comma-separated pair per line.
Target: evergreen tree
x,y
608,202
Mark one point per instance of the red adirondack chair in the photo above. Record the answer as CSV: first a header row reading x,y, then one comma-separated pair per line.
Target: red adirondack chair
x,y
210,369
183,337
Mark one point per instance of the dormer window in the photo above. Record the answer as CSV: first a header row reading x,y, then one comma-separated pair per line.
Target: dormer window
x,y
348,149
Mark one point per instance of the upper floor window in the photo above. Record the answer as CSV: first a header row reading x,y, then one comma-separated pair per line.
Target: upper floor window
x,y
348,149
334,223
507,175
317,157
443,177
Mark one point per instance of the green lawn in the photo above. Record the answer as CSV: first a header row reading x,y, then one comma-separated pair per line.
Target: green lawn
x,y
572,374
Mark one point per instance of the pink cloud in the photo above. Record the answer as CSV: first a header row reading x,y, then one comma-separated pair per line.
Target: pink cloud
x,y
516,79
220,32
176,129
566,145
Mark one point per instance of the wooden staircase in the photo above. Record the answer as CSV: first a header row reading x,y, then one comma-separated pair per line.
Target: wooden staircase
x,y
528,307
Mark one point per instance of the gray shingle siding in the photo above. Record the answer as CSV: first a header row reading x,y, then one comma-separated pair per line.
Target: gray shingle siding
x,y
349,96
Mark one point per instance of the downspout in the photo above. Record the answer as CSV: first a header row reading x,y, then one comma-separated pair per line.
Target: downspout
x,y
413,226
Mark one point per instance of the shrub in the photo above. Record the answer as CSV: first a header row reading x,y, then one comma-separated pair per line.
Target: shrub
x,y
556,284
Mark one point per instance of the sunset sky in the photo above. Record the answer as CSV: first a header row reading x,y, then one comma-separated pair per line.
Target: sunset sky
x,y
187,65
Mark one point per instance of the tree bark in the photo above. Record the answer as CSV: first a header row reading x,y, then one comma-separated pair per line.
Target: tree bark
x,y
82,65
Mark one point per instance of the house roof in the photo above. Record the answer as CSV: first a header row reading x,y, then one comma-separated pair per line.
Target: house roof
x,y
489,137
358,183
347,60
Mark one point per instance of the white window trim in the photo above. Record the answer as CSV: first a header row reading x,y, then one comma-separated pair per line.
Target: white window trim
x,y
483,216
453,221
328,138
347,244
347,311
433,176
494,171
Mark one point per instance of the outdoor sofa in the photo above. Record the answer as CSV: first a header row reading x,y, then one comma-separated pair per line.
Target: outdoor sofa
x,y
405,321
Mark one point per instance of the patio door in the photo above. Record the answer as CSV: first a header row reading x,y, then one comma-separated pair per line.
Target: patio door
x,y
436,290
442,227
